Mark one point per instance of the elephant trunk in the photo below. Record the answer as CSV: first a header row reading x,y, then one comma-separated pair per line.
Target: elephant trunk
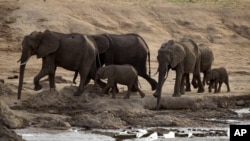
x,y
23,60
21,74
163,73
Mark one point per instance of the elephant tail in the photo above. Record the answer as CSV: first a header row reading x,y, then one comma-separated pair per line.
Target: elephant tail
x,y
146,45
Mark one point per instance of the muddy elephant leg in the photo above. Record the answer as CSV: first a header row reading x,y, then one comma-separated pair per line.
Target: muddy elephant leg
x,y
188,87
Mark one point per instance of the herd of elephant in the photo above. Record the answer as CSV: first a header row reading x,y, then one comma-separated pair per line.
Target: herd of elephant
x,y
120,59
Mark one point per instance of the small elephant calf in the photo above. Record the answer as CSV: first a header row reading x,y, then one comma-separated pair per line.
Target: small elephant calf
x,y
122,74
215,76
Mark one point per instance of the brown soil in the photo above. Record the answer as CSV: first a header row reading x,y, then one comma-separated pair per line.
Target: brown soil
x,y
222,25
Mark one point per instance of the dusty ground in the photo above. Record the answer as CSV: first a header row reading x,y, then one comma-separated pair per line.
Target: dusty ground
x,y
221,24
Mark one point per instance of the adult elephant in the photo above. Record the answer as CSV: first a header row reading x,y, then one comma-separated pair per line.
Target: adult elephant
x,y
184,57
207,59
125,49
74,52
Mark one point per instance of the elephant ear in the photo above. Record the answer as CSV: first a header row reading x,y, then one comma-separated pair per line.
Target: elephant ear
x,y
109,71
102,43
178,54
48,43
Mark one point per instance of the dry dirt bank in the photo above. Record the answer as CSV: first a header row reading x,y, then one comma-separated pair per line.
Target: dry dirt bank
x,y
224,27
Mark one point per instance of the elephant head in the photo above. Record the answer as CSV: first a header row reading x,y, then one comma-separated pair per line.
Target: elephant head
x,y
169,56
210,76
37,43
105,72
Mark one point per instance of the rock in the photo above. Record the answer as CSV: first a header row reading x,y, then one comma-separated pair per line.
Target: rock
x,y
9,118
8,135
4,90
240,103
13,77
1,81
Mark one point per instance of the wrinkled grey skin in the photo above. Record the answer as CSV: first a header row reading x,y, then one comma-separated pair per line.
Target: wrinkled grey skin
x,y
184,57
217,76
122,74
125,49
74,52
207,59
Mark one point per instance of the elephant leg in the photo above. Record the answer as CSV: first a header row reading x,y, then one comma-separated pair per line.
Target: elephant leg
x,y
47,69
105,90
215,87
37,78
194,82
84,76
210,88
127,96
220,83
52,81
200,85
228,88
188,87
115,88
204,78
151,81
113,91
182,90
138,89
179,75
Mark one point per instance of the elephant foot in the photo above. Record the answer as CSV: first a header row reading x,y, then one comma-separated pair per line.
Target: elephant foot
x,y
200,90
53,91
195,85
153,86
142,95
188,89
176,95
155,95
78,93
126,97
38,87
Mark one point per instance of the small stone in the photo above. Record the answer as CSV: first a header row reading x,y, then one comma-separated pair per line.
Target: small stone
x,y
240,103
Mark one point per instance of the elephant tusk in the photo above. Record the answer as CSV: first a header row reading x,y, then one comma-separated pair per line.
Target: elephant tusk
x,y
24,63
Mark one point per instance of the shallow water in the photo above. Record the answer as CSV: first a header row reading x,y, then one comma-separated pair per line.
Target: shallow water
x,y
38,134
79,134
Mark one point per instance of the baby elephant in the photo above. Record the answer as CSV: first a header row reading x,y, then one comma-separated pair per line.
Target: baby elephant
x,y
215,76
122,74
